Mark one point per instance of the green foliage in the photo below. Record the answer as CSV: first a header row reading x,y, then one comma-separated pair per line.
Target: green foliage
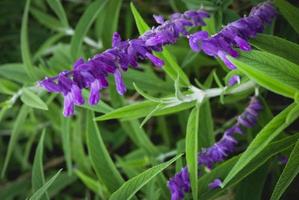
x,y
289,173
128,147
129,188
192,148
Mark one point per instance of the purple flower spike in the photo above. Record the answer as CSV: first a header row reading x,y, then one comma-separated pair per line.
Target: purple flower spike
x,y
216,153
215,184
235,34
92,74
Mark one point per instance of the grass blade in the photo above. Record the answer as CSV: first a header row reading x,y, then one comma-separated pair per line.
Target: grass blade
x,y
290,12
66,142
20,120
38,178
83,26
289,173
101,161
129,188
26,57
39,193
192,148
263,138
58,9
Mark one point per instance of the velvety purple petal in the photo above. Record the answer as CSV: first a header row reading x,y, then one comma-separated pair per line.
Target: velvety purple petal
x,y
77,95
68,108
159,19
223,57
116,39
120,85
94,95
49,85
155,60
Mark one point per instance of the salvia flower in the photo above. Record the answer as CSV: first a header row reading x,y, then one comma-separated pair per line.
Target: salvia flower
x,y
235,34
234,80
218,152
93,73
215,184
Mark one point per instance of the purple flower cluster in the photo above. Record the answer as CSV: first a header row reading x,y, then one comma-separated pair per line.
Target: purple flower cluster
x,y
180,183
235,34
93,73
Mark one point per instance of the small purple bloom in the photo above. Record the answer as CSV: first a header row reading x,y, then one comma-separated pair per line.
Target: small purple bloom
x,y
215,184
159,19
234,80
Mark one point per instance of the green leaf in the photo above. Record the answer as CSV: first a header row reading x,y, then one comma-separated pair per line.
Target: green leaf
x,y
15,72
58,9
66,142
260,142
26,57
270,71
206,128
46,20
132,186
171,66
83,26
141,109
38,178
101,161
223,169
92,184
140,23
110,23
32,100
192,148
245,191
290,12
278,46
41,191
17,127
289,173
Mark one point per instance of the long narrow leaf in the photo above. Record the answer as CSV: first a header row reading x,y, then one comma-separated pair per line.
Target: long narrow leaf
x,y
41,191
129,188
289,173
83,26
38,177
192,148
263,138
18,124
102,162
26,57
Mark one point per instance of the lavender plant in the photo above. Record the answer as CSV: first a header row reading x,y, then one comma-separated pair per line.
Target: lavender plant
x,y
215,118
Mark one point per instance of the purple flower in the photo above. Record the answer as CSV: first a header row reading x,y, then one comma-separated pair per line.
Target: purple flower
x,y
93,73
179,184
218,152
215,184
233,80
235,34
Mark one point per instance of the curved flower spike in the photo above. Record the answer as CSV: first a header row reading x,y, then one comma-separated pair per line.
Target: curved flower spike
x,y
92,74
235,34
180,184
